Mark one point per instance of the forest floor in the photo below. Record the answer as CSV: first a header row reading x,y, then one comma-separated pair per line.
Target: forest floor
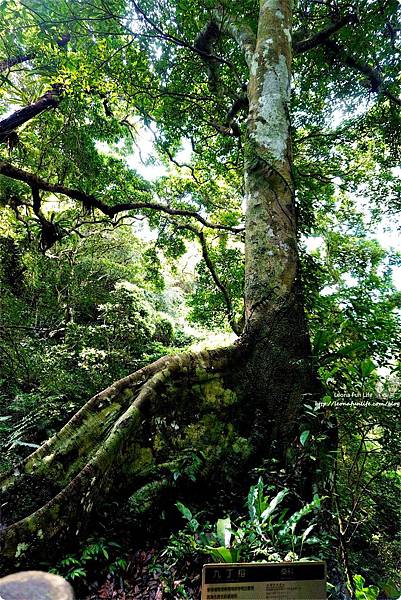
x,y
145,579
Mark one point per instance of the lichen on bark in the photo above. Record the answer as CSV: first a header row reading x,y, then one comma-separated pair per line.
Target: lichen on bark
x,y
271,260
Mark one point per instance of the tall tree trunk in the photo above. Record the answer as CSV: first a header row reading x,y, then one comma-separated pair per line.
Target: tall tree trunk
x,y
275,328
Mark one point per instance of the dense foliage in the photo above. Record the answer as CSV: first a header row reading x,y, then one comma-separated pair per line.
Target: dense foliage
x,y
74,321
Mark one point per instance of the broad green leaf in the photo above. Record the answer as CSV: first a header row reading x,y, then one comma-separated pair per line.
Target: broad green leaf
x,y
257,502
223,527
184,511
320,340
294,519
273,504
303,438
222,554
367,367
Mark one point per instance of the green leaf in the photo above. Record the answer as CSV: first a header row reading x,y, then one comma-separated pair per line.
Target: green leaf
x,y
222,554
273,504
79,572
307,531
186,513
367,367
350,349
204,539
320,341
370,592
256,500
69,560
304,437
297,516
193,524
223,527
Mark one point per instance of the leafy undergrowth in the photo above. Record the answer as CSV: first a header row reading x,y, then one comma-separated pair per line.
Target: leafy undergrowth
x,y
146,578
171,568
273,526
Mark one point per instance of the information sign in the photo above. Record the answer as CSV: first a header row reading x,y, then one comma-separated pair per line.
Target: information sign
x,y
264,581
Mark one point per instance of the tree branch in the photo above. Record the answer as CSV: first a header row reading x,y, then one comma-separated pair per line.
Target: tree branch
x,y
50,233
21,58
181,165
204,44
230,127
227,300
237,329
90,202
240,104
180,42
50,99
226,129
6,64
337,52
322,36
240,32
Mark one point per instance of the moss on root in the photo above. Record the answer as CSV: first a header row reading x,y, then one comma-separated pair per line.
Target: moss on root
x,y
135,439
115,444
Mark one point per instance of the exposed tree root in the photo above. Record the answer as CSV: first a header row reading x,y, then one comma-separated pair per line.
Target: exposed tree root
x,y
123,438
203,415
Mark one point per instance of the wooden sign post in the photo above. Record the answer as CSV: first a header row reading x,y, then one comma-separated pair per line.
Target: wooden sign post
x,y
264,581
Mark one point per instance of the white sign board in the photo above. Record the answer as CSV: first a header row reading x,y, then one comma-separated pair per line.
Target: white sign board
x,y
264,581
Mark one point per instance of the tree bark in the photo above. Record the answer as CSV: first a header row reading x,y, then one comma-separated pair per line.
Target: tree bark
x,y
276,328
271,238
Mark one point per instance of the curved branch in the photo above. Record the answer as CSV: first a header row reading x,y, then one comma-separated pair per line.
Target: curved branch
x,y
337,52
227,300
90,202
7,63
322,36
241,33
180,42
204,43
235,326
21,58
50,99
231,130
230,127
50,233
181,165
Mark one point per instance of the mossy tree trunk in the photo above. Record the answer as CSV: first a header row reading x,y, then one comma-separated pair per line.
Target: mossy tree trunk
x,y
278,370
231,406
